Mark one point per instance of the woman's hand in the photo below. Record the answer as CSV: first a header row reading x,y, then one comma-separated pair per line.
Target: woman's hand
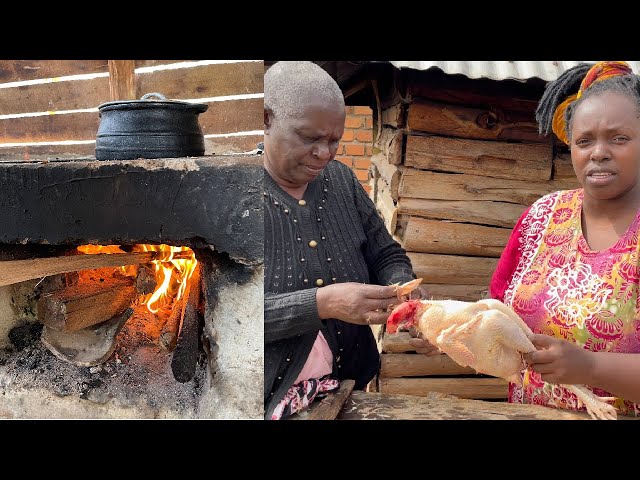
x,y
357,303
560,361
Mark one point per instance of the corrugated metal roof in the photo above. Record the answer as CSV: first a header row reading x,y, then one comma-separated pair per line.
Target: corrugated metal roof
x,y
501,70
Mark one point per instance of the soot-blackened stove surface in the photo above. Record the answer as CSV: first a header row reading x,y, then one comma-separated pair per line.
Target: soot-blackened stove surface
x,y
189,201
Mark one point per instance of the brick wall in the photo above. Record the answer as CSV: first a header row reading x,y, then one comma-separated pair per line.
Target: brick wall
x,y
355,148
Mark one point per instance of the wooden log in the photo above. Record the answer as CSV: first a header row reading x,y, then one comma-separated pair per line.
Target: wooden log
x,y
466,293
122,80
50,128
396,343
58,282
187,351
390,145
204,81
233,116
416,365
478,388
88,346
47,152
452,269
385,206
20,70
416,183
465,122
389,173
329,407
436,406
85,304
514,97
395,116
519,161
563,171
16,271
146,282
501,214
56,96
433,236
171,328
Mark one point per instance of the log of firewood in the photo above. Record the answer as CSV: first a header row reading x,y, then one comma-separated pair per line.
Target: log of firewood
x,y
89,346
385,206
146,281
85,304
397,343
58,282
501,214
185,355
171,328
452,269
395,116
389,145
416,183
479,388
465,293
16,271
389,173
519,161
418,365
465,122
434,236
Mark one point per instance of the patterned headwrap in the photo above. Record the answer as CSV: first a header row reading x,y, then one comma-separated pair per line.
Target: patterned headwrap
x,y
597,72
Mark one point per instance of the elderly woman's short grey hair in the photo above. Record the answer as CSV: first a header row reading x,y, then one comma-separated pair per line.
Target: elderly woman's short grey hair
x,y
288,86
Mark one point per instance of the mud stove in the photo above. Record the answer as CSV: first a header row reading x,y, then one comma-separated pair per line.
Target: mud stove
x,y
131,289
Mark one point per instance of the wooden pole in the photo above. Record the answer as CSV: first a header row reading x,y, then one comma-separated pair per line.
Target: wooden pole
x,y
122,80
16,271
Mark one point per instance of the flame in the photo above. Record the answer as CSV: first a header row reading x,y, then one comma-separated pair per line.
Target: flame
x,y
172,275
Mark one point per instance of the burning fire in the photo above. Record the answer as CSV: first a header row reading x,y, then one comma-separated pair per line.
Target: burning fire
x,y
172,274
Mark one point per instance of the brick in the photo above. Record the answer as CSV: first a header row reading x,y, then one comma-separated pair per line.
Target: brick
x,y
363,163
360,110
364,135
348,161
354,149
368,150
368,122
354,122
348,135
362,175
349,109
366,186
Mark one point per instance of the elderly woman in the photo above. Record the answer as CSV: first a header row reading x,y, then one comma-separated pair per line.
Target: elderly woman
x,y
329,261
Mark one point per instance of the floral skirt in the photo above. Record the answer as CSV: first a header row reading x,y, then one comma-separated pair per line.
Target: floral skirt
x,y
300,395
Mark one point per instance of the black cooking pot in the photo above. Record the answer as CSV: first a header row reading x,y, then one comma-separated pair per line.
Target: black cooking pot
x,y
148,128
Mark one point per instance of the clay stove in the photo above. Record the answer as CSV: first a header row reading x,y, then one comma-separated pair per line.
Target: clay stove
x,y
131,289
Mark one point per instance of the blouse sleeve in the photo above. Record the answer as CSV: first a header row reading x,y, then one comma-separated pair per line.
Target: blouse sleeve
x,y
386,259
290,314
508,262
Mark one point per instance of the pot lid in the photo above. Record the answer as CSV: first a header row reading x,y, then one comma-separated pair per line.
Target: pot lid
x,y
147,102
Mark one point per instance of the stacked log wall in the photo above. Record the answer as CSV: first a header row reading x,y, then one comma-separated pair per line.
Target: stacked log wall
x,y
49,108
452,171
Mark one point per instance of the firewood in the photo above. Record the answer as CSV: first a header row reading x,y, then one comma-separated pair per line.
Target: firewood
x,y
85,304
185,355
170,329
16,271
146,281
89,346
